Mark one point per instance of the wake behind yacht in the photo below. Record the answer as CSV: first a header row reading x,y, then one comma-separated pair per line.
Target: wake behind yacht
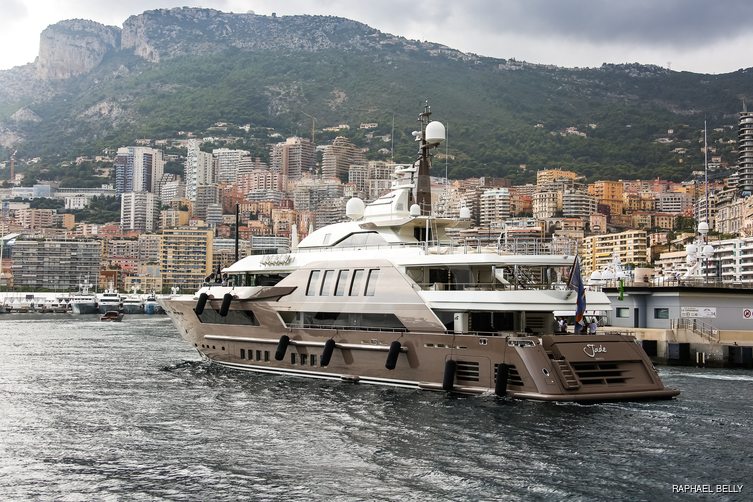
x,y
388,298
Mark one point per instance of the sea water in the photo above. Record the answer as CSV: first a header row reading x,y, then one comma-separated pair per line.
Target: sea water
x,y
129,411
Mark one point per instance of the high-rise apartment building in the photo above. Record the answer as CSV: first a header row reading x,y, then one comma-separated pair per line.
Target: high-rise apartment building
x,y
745,153
494,207
55,265
310,193
139,211
380,178
199,169
338,157
631,246
609,193
293,158
138,169
185,257
228,162
578,204
205,195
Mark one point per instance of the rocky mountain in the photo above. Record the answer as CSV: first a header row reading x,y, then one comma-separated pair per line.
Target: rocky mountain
x,y
169,70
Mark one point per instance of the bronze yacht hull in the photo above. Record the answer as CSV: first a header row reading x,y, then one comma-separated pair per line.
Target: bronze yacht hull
x,y
581,368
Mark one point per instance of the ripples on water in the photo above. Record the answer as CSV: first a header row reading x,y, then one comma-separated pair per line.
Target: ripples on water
x,y
127,411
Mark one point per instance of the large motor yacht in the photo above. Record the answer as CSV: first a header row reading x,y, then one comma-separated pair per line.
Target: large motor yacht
x,y
389,298
110,300
84,302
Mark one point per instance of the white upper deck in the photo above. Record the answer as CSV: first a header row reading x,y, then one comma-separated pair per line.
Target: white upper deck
x,y
387,229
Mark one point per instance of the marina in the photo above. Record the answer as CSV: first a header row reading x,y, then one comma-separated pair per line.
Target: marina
x,y
88,413
78,303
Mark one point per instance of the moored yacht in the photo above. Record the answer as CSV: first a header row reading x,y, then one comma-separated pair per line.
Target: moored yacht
x,y
133,304
389,298
151,306
109,300
84,302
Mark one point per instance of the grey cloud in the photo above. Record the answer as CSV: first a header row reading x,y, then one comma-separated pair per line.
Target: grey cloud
x,y
13,10
641,22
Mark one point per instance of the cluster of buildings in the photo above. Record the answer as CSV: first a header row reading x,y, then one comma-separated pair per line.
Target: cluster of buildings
x,y
176,229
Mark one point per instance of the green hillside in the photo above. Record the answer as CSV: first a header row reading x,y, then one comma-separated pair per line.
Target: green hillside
x,y
500,114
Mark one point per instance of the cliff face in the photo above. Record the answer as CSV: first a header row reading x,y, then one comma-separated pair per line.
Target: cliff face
x,y
74,47
160,34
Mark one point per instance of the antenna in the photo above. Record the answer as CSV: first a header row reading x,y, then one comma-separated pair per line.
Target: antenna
x,y
446,153
392,140
706,169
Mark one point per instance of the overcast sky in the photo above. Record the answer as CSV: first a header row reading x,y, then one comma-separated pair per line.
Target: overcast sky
x,y
702,36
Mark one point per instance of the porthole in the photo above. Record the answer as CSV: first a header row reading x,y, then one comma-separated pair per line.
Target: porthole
x,y
545,371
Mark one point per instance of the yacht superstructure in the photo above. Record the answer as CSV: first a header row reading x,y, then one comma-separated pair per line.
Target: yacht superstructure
x,y
388,298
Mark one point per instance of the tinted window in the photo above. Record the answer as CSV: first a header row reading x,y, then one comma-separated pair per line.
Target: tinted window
x,y
342,282
356,287
661,313
313,282
371,282
329,278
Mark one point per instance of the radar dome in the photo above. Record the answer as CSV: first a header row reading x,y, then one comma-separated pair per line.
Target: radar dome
x,y
435,132
465,213
415,210
354,208
703,228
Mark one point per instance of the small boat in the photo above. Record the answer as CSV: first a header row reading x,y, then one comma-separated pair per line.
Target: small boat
x,y
112,315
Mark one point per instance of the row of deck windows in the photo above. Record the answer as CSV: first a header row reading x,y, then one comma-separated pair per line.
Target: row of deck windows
x,y
361,282
295,358
261,355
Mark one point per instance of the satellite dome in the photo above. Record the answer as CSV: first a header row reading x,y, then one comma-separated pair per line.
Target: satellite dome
x,y
415,210
354,208
465,213
435,132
